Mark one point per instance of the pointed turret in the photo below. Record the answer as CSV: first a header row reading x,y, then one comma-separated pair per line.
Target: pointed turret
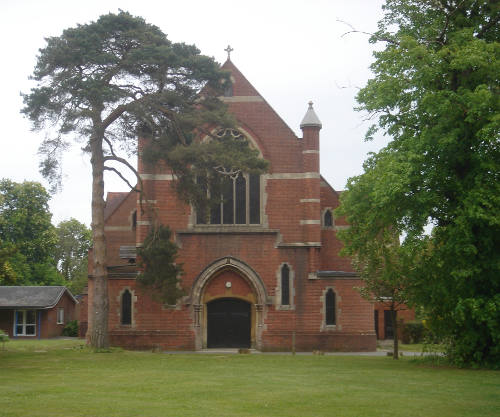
x,y
310,119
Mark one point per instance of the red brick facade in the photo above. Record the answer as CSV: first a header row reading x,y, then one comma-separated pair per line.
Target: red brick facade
x,y
245,261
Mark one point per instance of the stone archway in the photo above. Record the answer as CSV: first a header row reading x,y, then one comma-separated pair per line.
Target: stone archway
x,y
228,278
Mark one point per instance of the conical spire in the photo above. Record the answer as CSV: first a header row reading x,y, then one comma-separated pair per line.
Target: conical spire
x,y
310,119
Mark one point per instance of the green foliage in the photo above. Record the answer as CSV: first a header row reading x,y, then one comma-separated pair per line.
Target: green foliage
x,y
8,275
71,329
27,237
106,82
436,92
160,275
3,338
229,155
413,332
71,253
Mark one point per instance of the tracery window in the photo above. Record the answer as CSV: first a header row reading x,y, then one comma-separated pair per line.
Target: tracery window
x,y
239,196
330,319
126,308
285,285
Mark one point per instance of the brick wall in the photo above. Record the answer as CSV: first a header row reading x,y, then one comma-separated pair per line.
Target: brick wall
x,y
293,200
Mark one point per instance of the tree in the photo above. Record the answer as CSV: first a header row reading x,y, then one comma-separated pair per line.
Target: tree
x,y
375,251
435,91
71,253
160,275
106,81
27,236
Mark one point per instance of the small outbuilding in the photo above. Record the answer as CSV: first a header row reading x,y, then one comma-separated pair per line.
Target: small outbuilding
x,y
35,311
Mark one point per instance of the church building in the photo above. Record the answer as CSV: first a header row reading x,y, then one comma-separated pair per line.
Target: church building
x,y
262,271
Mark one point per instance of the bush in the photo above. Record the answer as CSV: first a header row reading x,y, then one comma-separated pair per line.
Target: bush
x,y
3,338
413,332
71,329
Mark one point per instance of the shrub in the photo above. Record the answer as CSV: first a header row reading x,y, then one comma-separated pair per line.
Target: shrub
x,y
71,329
3,338
413,332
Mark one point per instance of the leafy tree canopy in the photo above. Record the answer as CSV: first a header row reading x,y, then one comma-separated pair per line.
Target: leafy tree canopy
x,y
27,237
74,240
435,91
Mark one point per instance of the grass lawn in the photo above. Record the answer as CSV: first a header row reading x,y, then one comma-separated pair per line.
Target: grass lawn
x,y
58,378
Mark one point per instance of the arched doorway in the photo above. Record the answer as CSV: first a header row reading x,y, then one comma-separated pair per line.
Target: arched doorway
x,y
228,278
228,323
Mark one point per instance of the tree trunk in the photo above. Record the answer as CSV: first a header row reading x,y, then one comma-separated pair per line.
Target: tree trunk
x,y
100,305
394,316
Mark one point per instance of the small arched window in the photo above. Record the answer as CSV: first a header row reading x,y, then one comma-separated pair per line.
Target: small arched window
x,y
328,219
330,318
285,285
126,308
134,220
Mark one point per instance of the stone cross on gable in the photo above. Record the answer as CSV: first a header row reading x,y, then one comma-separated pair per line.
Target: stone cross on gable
x,y
229,50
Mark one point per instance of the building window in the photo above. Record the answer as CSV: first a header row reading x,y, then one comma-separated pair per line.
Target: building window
x,y
285,285
60,316
25,323
239,201
134,220
126,308
330,319
328,219
236,194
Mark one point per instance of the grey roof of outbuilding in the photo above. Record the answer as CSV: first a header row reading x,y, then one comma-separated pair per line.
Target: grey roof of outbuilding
x,y
32,297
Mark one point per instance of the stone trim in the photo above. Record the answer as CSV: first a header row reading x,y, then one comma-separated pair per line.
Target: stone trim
x,y
157,177
246,273
242,99
311,151
299,245
132,308
143,223
305,222
335,327
310,200
292,176
323,212
117,228
341,227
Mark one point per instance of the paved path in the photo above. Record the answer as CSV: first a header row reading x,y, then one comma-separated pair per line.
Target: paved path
x,y
256,352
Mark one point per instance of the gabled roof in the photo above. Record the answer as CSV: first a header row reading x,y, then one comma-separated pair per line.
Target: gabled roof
x,y
113,200
32,297
244,90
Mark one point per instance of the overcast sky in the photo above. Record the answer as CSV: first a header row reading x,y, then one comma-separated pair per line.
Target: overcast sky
x,y
292,51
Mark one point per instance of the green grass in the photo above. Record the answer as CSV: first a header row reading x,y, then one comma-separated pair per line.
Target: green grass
x,y
59,378
415,347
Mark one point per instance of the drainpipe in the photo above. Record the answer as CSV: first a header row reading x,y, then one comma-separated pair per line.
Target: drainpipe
x,y
39,322
15,324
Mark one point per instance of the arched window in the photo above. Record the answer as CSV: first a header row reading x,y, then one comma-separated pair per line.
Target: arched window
x,y
238,195
134,220
328,219
330,319
285,285
126,308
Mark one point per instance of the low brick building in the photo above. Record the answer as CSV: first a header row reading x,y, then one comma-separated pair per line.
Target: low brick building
x,y
35,311
263,272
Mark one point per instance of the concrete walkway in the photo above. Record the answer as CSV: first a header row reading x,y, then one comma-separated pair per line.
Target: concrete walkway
x,y
256,352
